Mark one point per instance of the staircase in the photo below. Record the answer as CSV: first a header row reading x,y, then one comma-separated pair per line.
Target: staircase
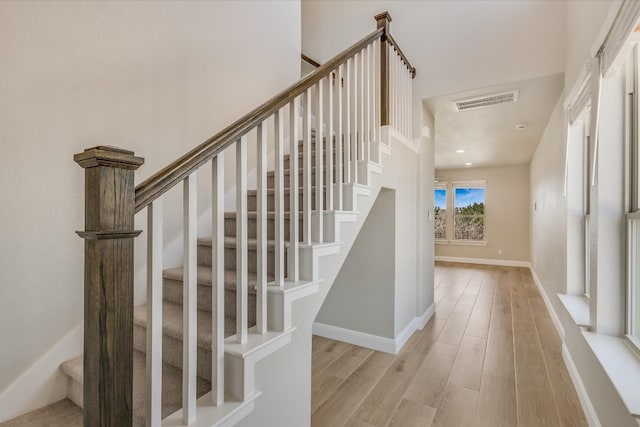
x,y
172,324
195,343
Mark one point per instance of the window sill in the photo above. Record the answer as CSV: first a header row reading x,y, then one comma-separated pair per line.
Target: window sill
x,y
469,243
441,242
577,307
622,366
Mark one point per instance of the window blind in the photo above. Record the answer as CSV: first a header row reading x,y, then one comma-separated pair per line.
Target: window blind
x,y
622,27
581,101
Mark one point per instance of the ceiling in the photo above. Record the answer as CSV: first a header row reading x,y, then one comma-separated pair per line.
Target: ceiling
x,y
488,135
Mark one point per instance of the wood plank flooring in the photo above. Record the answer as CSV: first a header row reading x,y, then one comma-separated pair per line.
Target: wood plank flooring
x,y
489,357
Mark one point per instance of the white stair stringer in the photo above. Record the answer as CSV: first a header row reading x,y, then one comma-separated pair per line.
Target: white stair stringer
x,y
280,301
226,415
240,359
332,223
351,193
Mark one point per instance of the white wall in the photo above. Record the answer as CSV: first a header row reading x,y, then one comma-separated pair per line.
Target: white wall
x,y
154,77
548,237
383,301
444,40
547,206
506,213
426,216
549,219
362,296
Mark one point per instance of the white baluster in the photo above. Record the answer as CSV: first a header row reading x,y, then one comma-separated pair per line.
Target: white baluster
x,y
400,97
403,97
394,97
367,142
217,280
306,170
391,87
189,308
329,174
242,265
347,122
279,199
376,89
410,95
339,149
407,104
293,261
319,163
154,313
403,82
261,230
361,120
354,140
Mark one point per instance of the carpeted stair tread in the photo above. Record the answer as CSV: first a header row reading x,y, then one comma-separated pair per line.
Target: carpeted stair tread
x,y
171,385
172,323
204,277
271,191
253,215
232,242
63,413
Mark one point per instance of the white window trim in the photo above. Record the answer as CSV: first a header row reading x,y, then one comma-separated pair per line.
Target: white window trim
x,y
442,185
478,183
632,218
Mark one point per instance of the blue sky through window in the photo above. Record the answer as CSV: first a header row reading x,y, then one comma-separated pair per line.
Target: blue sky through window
x,y
468,196
441,198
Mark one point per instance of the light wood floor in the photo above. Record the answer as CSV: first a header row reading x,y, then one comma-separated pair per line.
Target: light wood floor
x,y
489,357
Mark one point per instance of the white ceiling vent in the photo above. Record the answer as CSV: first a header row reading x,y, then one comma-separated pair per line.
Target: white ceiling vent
x,y
486,100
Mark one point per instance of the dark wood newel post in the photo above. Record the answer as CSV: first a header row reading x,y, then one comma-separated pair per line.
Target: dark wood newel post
x,y
108,284
383,20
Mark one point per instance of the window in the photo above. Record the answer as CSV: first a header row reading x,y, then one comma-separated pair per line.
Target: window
x,y
586,209
440,211
633,211
633,278
468,212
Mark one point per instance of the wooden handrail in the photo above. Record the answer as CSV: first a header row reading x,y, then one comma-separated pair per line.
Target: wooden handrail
x,y
159,183
310,60
411,68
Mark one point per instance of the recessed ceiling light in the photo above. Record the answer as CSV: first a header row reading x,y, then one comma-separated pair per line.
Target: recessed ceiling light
x,y
468,164
460,151
521,126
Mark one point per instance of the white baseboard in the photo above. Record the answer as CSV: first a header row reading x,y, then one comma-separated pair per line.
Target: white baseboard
x,y
421,321
547,303
42,383
483,261
362,339
587,406
374,342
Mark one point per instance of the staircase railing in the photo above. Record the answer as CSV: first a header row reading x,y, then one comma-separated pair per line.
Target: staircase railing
x,y
374,91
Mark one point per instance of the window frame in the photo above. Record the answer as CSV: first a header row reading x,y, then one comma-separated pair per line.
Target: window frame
x,y
632,216
468,184
586,209
441,185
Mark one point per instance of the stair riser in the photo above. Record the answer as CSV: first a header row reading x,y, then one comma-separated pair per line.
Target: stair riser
x,y
287,163
204,258
172,351
287,181
230,228
252,204
172,290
